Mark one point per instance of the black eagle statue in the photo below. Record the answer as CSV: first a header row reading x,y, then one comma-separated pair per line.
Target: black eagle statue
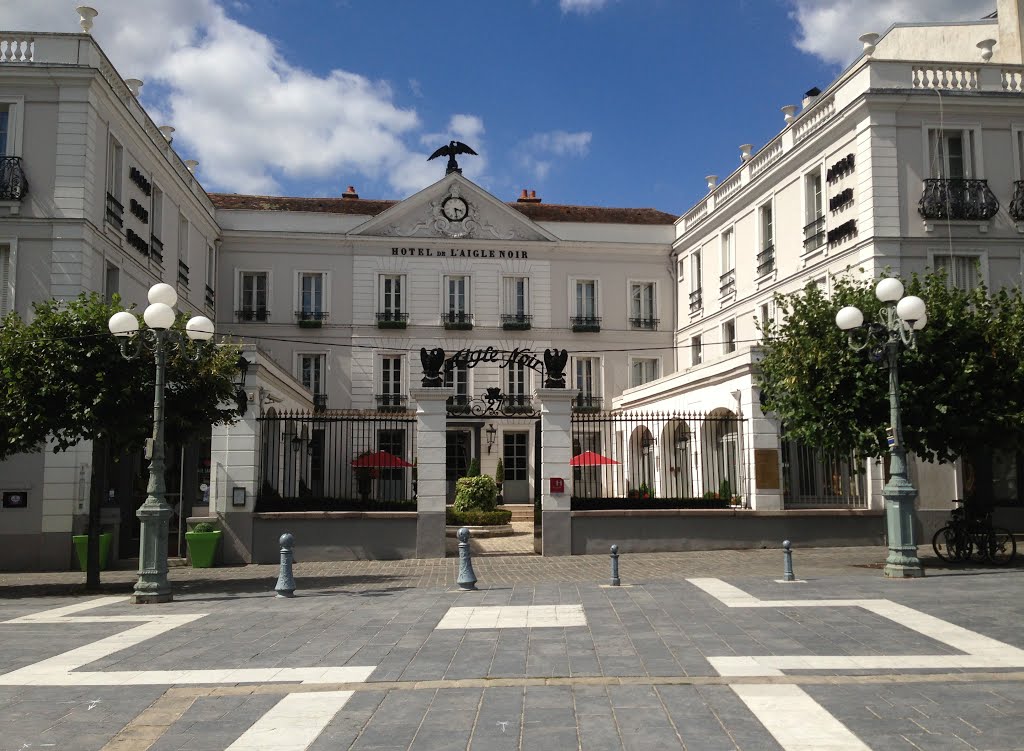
x,y
433,361
554,364
450,151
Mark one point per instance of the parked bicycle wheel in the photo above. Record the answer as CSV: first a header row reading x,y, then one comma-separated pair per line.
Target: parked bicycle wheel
x,y
951,545
1000,547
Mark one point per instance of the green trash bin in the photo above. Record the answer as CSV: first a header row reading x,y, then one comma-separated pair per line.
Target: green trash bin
x,y
82,549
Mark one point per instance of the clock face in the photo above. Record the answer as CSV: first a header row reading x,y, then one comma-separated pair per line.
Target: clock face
x,y
454,208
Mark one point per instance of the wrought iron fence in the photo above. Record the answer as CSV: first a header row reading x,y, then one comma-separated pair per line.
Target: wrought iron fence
x,y
337,459
814,479
677,458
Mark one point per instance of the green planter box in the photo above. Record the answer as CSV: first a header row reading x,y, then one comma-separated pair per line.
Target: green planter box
x,y
82,549
202,547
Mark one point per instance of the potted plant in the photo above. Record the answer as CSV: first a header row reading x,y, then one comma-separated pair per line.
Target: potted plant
x,y
81,543
499,479
202,544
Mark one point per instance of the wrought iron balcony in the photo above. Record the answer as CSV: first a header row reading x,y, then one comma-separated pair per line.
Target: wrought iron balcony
x,y
115,212
391,402
253,314
517,404
156,248
957,199
727,283
310,319
516,321
319,402
391,320
457,320
459,405
696,301
1017,204
814,234
211,296
586,324
587,403
648,324
13,183
766,261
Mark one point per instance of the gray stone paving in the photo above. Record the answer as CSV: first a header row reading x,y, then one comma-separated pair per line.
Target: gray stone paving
x,y
635,677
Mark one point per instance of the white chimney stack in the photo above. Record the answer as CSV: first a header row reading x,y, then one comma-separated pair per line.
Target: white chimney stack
x,y
85,16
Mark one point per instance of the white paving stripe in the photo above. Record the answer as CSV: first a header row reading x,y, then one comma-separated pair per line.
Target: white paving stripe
x,y
796,720
514,616
293,723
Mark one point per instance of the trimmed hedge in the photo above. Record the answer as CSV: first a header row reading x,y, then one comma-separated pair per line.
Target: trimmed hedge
x,y
269,503
617,504
474,518
476,493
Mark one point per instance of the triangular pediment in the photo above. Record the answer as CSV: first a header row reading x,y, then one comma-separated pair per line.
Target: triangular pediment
x,y
453,208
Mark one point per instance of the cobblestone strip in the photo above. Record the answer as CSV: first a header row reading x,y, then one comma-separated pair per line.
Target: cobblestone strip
x,y
146,729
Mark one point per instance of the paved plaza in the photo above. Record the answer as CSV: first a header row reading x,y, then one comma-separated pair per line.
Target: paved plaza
x,y
695,650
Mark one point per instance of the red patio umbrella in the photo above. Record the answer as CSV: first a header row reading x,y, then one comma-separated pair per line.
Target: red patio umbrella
x,y
379,460
590,459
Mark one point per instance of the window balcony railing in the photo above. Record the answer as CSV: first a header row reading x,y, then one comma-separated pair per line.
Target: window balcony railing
x,y
647,324
1017,204
13,183
586,324
183,273
310,319
587,403
115,212
457,320
696,301
516,321
727,283
517,404
253,314
388,319
766,261
459,405
957,199
319,402
211,296
156,249
391,402
814,234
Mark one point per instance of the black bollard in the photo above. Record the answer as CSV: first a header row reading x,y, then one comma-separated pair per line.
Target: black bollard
x,y
787,567
615,566
285,586
467,579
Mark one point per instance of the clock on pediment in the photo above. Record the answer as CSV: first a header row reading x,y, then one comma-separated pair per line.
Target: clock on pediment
x,y
454,208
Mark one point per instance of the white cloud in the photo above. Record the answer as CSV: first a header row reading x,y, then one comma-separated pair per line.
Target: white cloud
x,y
538,149
581,6
829,28
247,114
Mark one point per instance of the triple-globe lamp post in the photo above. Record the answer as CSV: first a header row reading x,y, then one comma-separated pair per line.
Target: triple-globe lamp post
x,y
154,513
898,321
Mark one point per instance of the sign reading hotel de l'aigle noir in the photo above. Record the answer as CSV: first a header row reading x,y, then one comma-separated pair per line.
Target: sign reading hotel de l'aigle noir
x,y
459,253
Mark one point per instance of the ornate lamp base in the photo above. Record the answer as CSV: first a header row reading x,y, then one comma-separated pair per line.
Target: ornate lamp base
x,y
902,562
152,585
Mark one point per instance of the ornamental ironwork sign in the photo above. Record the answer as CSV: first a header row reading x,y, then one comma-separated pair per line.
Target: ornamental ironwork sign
x,y
552,367
493,403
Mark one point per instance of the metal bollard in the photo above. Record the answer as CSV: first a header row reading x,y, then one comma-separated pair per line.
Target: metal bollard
x,y
285,586
615,566
467,579
787,569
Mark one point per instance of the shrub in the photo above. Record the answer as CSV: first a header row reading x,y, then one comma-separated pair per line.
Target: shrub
x,y
645,491
474,518
474,468
478,493
499,473
204,527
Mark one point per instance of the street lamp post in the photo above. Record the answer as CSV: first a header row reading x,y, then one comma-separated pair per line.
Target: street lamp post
x,y
154,513
898,321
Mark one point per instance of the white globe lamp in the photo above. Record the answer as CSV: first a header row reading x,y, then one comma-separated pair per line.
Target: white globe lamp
x,y
199,328
889,290
159,316
910,308
123,324
163,293
849,318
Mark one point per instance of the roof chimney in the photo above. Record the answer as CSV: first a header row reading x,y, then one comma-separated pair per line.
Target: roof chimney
x,y
528,197
350,193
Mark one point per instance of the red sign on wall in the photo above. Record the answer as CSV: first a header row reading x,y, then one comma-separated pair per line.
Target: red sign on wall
x,y
557,485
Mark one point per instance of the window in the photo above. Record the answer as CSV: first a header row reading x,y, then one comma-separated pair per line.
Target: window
x,y
696,282
516,302
767,228
115,161
643,308
643,370
11,109
183,244
457,376
391,310
517,393
951,153
696,351
586,298
6,279
157,227
252,296
765,316
391,396
681,269
962,271
587,380
814,211
729,337
111,282
728,251
5,118
311,372
457,301
311,296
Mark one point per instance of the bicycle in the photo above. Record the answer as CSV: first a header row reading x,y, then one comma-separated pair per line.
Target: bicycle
x,y
970,533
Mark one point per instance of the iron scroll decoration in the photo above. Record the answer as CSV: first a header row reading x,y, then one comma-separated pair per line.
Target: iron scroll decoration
x,y
552,368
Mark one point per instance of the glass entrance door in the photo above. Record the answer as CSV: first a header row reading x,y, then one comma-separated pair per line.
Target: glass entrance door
x,y
516,488
459,453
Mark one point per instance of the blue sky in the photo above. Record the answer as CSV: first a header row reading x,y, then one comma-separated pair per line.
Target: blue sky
x,y
592,102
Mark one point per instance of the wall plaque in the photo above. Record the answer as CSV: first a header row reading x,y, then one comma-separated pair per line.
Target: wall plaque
x,y
15,499
766,469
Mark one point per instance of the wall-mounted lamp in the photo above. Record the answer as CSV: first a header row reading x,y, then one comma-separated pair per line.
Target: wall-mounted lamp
x,y
491,433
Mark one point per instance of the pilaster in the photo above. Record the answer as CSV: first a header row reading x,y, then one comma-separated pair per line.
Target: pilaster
x,y
431,468
556,452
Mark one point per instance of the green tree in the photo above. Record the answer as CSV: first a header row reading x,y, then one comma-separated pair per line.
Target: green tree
x,y
960,389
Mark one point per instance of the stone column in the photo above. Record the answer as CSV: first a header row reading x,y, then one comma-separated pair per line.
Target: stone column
x,y
431,466
556,452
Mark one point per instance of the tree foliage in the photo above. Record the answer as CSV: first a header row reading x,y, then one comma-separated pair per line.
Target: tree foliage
x,y
961,389
63,378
